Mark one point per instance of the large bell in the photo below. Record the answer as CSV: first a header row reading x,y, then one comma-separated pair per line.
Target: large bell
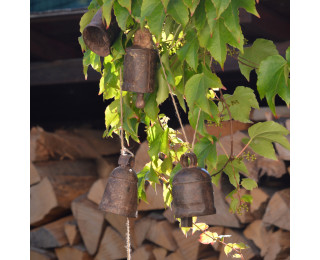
x,y
192,191
97,37
140,62
120,196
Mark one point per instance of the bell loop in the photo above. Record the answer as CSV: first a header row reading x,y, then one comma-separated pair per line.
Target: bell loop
x,y
126,160
184,160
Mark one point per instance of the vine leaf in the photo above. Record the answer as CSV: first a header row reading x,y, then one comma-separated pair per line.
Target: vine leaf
x,y
249,6
179,12
86,18
193,117
198,17
208,237
136,10
240,104
192,5
148,6
165,4
121,14
126,4
167,196
206,152
228,248
163,91
221,5
90,58
253,55
211,13
155,20
151,109
106,11
249,184
263,134
189,51
273,79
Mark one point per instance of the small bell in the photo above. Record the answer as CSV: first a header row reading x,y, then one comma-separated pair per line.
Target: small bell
x,y
120,196
192,191
97,37
140,62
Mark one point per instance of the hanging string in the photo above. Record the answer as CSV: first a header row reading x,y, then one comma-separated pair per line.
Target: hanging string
x,y
173,100
195,131
123,151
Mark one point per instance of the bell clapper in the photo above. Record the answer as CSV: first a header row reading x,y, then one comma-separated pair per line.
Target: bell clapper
x,y
140,101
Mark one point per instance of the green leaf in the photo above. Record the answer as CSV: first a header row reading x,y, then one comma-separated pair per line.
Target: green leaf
x,y
193,118
179,12
167,195
221,5
228,248
106,11
236,256
192,5
247,198
111,114
248,5
288,56
156,19
148,6
86,19
136,10
233,205
163,91
189,51
262,147
198,17
121,14
206,152
151,109
240,104
90,58
165,4
82,44
249,184
152,176
272,80
253,55
94,4
126,4
211,13
117,49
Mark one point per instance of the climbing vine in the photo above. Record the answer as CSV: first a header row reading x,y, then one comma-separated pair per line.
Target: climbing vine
x,y
190,36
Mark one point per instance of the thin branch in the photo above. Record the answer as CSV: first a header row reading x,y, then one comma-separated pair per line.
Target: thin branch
x,y
248,61
244,148
195,131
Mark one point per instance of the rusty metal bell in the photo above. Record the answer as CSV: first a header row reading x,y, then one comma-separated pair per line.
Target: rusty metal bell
x,y
120,196
97,37
140,62
192,191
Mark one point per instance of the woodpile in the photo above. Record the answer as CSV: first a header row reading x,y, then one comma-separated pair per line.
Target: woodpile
x,y
68,175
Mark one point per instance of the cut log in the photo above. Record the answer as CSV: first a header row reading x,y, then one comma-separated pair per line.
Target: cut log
x,y
207,252
219,231
119,223
175,256
287,124
222,217
106,165
160,233
143,253
259,202
45,146
68,180
34,175
96,190
189,246
168,214
258,233
112,246
262,113
270,167
278,210
90,222
50,235
237,237
278,246
73,253
159,253
140,230
284,154
41,254
72,232
154,198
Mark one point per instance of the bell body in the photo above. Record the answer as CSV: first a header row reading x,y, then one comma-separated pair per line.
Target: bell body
x,y
192,194
139,70
120,196
97,37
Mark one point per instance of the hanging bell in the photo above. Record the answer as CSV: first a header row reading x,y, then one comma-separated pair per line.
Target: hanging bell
x,y
120,196
192,191
98,37
140,62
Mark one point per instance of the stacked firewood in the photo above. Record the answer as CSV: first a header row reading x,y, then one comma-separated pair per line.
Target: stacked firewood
x,y
69,172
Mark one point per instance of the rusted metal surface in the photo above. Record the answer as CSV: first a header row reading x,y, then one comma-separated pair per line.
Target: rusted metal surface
x,y
97,37
121,193
192,191
139,71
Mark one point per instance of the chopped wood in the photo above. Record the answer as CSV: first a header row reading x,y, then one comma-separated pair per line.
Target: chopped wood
x,y
278,246
271,167
222,216
96,190
120,223
142,156
154,198
143,253
284,154
220,231
72,232
159,253
41,254
160,233
189,246
63,181
237,237
34,175
259,202
175,256
73,253
257,232
278,210
262,113
50,235
168,214
287,124
140,230
106,165
207,252
45,146
112,246
90,221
